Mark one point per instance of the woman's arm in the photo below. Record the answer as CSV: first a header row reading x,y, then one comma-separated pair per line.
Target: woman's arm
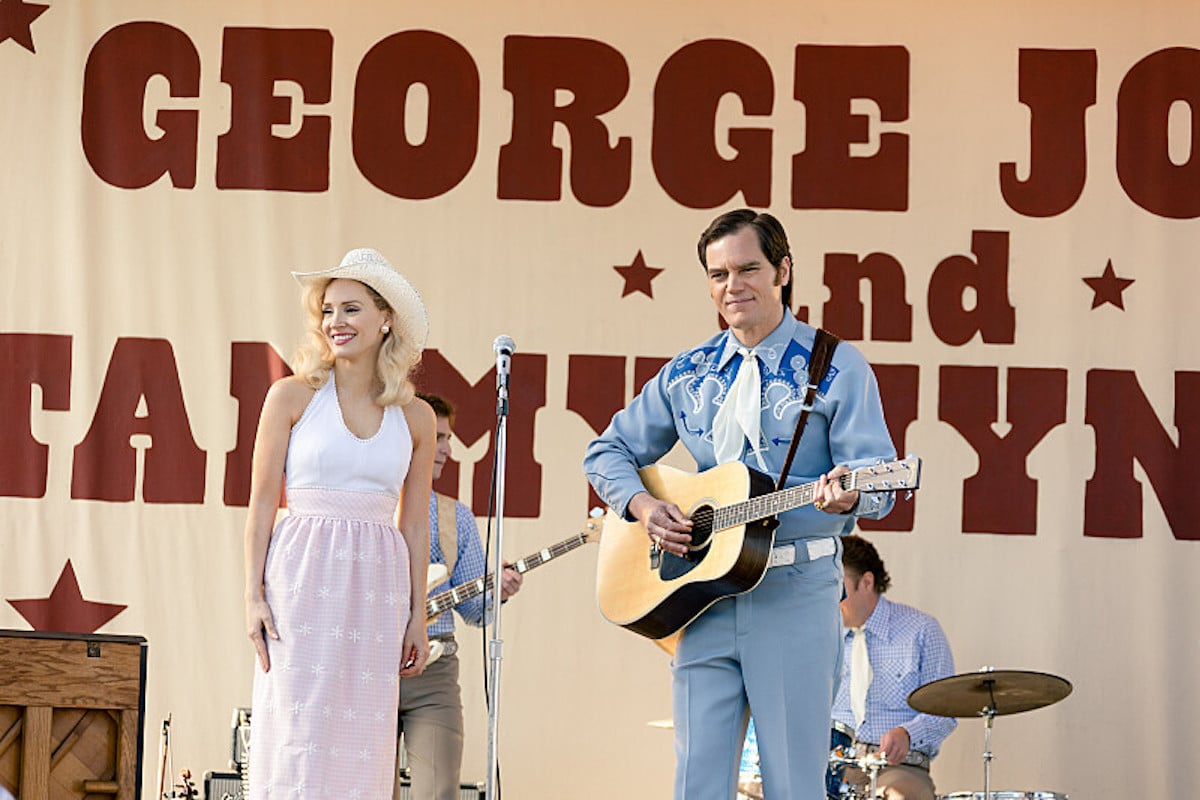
x,y
284,404
414,526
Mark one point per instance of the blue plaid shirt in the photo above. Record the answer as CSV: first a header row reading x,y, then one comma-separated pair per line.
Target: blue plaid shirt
x,y
845,427
469,566
907,649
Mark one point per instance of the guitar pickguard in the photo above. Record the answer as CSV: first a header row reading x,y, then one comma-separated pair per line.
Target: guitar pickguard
x,y
672,566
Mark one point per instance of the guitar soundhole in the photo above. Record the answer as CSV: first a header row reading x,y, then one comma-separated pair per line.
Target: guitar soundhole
x,y
674,566
702,521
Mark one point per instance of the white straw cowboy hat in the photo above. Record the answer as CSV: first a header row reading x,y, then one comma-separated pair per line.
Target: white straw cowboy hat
x,y
370,267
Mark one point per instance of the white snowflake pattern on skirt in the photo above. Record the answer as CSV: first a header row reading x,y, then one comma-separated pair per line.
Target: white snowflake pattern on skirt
x,y
337,582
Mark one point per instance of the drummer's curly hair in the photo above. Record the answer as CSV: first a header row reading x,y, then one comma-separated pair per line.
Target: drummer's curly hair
x,y
861,557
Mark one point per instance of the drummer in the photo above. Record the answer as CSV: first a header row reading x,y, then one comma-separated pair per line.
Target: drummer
x,y
890,649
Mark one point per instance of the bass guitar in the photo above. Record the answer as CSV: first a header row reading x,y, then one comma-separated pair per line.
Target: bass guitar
x,y
442,602
732,508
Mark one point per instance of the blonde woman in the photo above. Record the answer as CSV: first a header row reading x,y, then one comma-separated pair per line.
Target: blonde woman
x,y
335,593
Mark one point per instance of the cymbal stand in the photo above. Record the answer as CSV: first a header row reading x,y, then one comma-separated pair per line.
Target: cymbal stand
x,y
989,714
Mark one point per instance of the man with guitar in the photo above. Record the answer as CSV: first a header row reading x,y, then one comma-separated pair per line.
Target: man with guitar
x,y
431,717
774,649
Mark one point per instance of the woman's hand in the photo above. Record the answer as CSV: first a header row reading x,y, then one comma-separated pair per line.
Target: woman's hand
x,y
260,620
415,651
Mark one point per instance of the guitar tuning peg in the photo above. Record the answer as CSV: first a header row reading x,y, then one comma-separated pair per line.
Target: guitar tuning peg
x,y
908,495
596,512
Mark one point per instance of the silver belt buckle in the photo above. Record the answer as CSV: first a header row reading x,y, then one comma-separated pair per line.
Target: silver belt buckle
x,y
819,548
783,554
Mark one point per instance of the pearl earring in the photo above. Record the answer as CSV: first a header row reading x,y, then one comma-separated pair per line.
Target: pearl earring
x,y
385,330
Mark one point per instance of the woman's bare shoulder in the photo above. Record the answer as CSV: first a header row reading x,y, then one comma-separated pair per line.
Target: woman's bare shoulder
x,y
289,395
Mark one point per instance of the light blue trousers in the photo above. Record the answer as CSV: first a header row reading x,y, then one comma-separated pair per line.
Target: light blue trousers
x,y
774,652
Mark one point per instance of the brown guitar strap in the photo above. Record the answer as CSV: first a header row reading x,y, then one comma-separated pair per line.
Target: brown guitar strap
x,y
822,357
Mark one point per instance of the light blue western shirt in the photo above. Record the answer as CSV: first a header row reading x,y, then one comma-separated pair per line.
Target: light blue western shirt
x,y
845,427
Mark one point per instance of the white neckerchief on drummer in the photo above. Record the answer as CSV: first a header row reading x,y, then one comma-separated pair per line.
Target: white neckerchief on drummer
x,y
860,674
738,420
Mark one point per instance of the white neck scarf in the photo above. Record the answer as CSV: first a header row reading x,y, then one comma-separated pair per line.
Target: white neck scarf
x,y
738,420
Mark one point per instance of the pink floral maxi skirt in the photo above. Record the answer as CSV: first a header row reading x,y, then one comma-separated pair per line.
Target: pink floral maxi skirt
x,y
323,724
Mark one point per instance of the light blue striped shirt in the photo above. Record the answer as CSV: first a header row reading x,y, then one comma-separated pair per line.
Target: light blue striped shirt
x,y
907,649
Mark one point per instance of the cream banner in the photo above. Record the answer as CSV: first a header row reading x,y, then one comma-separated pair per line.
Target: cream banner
x,y
997,202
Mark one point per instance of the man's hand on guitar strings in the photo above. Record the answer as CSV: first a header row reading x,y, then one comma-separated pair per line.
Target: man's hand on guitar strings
x,y
829,495
665,524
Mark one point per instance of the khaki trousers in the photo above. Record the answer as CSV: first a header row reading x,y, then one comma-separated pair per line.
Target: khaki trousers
x,y
896,783
431,724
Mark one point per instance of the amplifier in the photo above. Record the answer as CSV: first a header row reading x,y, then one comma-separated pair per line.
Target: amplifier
x,y
223,786
239,753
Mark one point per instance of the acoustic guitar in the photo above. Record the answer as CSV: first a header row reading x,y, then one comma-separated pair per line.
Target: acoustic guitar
x,y
732,508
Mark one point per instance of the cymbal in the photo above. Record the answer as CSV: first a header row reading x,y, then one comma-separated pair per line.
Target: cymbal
x,y
978,694
666,724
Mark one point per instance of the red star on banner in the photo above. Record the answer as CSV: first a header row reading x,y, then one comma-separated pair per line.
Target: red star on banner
x,y
65,610
638,276
1108,287
15,18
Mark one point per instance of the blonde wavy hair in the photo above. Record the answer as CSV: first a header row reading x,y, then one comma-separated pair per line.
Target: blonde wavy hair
x,y
314,358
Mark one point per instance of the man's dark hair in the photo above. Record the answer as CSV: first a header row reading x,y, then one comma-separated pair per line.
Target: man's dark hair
x,y
772,240
861,557
441,406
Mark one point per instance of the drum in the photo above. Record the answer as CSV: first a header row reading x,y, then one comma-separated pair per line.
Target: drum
x,y
1003,796
841,735
749,774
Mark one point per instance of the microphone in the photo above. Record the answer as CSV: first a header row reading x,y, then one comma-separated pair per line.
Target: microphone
x,y
504,348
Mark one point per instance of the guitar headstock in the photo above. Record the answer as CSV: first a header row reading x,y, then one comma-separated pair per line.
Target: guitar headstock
x,y
903,475
593,526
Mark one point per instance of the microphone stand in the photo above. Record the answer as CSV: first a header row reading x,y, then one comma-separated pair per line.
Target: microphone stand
x,y
496,644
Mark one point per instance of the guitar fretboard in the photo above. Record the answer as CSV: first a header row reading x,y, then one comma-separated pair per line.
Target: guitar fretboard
x,y
877,478
444,601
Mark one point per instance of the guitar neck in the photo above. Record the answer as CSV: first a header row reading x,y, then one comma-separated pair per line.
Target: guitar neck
x,y
771,504
901,475
444,601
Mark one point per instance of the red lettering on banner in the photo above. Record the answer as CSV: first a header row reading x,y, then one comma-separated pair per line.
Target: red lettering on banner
x,y
535,69
595,391
825,175
475,405
689,88
1128,430
253,367
899,388
105,462
891,314
1001,497
1144,164
115,142
416,171
250,155
645,368
1058,86
27,359
992,315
